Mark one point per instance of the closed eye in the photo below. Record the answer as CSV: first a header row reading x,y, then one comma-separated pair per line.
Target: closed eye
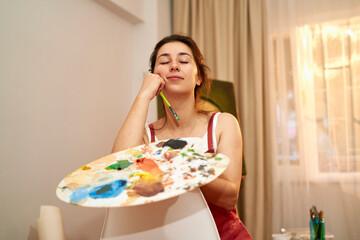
x,y
163,63
183,62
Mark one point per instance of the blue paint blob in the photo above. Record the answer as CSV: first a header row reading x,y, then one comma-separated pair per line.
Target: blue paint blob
x,y
108,190
80,194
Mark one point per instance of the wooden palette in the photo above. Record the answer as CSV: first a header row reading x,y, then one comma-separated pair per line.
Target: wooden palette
x,y
143,174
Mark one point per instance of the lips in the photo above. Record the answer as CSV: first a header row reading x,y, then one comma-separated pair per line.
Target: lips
x,y
174,77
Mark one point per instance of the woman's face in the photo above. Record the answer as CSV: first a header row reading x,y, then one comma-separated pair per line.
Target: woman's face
x,y
176,64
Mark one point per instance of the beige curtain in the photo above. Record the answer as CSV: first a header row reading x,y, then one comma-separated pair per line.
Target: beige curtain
x,y
214,35
232,35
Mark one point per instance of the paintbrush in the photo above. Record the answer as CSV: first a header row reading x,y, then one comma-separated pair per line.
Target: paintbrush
x,y
167,103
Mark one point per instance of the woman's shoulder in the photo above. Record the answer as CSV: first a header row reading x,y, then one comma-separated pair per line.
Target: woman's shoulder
x,y
227,118
228,129
227,121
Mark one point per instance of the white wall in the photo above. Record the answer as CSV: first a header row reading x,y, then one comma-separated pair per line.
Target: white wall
x,y
69,71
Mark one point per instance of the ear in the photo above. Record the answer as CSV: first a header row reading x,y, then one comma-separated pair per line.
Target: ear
x,y
198,81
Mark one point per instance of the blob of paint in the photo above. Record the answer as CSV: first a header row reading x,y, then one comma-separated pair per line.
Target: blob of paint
x,y
147,189
148,165
110,190
175,143
80,194
120,165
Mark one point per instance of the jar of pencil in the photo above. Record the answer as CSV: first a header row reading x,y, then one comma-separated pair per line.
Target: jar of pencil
x,y
317,224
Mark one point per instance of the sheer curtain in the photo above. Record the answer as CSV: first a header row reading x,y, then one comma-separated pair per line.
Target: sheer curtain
x,y
314,63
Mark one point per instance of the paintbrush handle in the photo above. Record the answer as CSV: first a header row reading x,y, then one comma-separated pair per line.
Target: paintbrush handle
x,y
164,98
168,104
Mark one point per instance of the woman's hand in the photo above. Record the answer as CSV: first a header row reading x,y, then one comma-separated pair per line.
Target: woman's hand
x,y
151,86
132,131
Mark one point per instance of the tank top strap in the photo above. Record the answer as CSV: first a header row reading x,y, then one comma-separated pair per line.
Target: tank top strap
x,y
210,134
152,132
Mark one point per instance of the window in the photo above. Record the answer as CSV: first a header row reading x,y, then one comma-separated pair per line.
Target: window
x,y
320,81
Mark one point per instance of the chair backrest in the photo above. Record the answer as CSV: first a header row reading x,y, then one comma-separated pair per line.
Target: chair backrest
x,y
184,217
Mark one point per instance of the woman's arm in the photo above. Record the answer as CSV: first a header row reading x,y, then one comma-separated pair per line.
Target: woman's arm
x,y
224,190
132,131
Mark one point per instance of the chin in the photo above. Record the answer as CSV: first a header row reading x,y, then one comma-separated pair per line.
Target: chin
x,y
176,89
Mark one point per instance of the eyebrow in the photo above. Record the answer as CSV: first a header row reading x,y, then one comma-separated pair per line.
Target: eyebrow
x,y
180,53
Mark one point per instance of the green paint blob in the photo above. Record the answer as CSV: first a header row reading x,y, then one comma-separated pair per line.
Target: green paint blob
x,y
104,189
120,165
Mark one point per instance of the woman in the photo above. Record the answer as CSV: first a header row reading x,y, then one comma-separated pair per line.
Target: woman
x,y
179,72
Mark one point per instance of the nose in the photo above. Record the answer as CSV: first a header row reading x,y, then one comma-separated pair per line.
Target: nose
x,y
174,67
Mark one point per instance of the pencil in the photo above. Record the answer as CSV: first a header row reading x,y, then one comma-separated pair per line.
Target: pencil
x,y
167,103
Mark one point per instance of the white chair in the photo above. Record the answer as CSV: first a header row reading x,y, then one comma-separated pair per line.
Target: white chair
x,y
184,217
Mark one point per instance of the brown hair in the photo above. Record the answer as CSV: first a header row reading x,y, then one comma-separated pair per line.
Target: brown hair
x,y
203,70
